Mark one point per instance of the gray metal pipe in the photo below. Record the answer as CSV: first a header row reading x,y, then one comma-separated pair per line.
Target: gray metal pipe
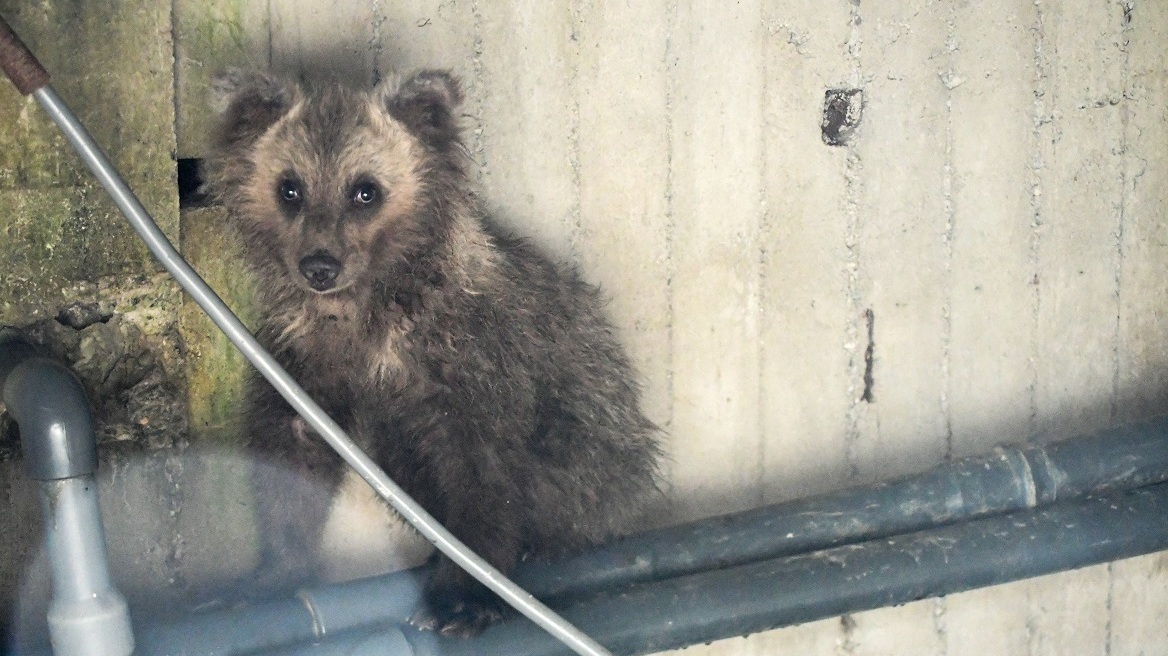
x,y
738,601
1006,480
87,615
53,410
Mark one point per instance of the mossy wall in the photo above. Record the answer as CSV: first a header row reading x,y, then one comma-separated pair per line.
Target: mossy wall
x,y
76,278
117,75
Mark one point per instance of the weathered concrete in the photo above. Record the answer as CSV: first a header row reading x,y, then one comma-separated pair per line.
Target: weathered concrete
x,y
116,75
981,261
623,232
210,36
215,517
1079,192
989,206
812,367
216,371
901,232
1137,610
716,197
529,172
1143,318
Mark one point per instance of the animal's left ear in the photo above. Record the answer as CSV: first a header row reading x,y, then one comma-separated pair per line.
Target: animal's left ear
x,y
248,103
426,103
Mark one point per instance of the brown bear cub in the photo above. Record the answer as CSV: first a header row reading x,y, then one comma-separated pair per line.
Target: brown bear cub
x,y
482,377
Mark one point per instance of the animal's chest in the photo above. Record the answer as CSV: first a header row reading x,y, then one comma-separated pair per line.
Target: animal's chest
x,y
346,359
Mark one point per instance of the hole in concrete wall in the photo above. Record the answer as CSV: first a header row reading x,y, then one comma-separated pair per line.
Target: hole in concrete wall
x,y
81,315
842,109
190,184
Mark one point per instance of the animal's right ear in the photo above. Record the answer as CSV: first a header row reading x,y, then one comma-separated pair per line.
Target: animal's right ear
x,y
248,103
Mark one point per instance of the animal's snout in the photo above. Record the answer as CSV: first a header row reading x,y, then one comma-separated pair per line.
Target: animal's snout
x,y
321,271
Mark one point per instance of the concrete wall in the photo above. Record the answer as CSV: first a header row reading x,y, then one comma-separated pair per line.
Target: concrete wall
x,y
980,262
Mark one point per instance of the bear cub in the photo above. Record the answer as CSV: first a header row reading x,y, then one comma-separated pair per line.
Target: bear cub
x,y
481,376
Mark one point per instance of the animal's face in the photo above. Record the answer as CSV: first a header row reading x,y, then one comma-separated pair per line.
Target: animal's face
x,y
331,180
336,181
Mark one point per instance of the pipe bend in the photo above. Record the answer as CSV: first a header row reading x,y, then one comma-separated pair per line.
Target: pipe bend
x,y
51,408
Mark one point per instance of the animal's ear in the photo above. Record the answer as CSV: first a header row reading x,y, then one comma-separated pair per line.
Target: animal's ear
x,y
248,103
425,103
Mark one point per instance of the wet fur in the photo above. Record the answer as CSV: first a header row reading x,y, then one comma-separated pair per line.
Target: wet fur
x,y
482,377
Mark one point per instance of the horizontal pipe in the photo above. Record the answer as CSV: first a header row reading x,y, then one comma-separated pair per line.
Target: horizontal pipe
x,y
1006,480
770,594
270,625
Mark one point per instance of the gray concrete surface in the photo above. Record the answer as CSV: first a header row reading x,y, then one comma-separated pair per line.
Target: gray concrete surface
x,y
981,262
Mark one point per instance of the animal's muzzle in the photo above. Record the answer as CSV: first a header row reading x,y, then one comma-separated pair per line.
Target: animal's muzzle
x,y
321,271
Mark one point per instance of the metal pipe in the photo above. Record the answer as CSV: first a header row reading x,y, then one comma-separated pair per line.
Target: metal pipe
x,y
1006,480
30,77
738,601
87,615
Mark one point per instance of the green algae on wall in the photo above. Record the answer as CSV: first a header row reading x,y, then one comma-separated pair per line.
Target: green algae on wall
x,y
112,63
210,36
216,371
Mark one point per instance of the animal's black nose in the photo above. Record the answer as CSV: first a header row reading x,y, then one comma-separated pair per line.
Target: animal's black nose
x,y
321,271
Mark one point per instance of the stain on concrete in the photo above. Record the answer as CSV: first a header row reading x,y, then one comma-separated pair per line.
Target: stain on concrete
x,y
869,358
58,226
842,110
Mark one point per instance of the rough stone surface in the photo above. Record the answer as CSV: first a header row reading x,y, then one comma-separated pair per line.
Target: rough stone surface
x,y
128,354
59,227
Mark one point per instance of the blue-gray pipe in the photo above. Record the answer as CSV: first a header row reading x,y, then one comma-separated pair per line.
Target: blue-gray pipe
x,y
87,615
1006,480
738,601
792,590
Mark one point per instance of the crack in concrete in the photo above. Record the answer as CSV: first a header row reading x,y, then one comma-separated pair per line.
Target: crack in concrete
x,y
1041,118
948,236
1121,218
670,209
853,176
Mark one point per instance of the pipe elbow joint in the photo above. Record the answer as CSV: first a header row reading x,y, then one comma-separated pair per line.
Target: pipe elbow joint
x,y
51,408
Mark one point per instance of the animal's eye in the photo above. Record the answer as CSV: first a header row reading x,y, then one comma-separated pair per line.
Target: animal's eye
x,y
289,192
365,193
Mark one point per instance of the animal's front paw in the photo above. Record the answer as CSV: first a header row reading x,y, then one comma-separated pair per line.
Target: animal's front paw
x,y
459,615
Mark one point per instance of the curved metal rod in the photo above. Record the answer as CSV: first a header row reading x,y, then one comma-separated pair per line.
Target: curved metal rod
x,y
231,326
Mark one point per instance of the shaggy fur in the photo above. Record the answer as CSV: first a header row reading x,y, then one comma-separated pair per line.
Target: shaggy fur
x,y
482,377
